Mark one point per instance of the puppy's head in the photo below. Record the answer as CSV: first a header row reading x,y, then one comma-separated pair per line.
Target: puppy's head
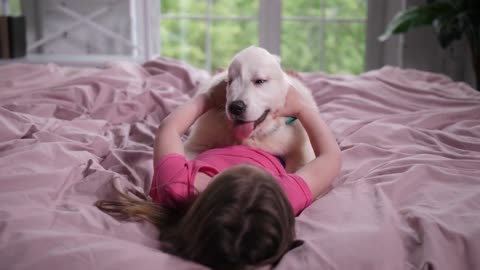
x,y
256,86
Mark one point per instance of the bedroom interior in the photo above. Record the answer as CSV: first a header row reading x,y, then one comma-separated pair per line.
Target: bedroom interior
x,y
84,84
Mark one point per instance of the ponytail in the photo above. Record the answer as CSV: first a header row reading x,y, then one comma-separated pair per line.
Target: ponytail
x,y
141,208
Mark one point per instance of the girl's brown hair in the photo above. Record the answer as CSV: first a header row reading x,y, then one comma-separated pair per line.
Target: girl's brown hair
x,y
243,218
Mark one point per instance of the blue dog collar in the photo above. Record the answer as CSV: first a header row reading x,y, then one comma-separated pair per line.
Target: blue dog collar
x,y
290,120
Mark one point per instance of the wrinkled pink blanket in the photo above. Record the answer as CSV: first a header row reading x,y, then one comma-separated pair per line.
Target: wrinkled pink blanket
x,y
408,196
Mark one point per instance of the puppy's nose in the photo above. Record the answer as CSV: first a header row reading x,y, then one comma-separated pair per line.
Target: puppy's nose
x,y
237,107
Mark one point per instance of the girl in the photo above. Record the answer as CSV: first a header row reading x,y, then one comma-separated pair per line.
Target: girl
x,y
231,207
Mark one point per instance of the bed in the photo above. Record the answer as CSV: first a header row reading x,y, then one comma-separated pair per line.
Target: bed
x,y
408,196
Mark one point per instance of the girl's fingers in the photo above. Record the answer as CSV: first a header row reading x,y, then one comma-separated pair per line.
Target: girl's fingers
x,y
294,74
219,70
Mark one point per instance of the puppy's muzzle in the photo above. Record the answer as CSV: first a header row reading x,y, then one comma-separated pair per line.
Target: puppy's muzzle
x,y
237,108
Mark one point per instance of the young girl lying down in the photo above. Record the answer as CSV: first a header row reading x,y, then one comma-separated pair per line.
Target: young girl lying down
x,y
231,207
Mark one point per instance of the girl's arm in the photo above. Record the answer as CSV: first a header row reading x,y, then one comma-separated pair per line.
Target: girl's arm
x,y
320,172
169,133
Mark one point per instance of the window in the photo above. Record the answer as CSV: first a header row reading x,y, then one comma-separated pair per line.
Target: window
x,y
207,33
10,7
309,35
326,35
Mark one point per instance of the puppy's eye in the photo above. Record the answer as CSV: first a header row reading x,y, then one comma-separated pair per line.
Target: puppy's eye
x,y
259,81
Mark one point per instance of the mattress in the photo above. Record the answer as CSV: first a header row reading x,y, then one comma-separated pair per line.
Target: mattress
x,y
407,197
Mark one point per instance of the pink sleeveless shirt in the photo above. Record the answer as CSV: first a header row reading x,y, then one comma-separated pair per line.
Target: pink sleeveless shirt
x,y
177,173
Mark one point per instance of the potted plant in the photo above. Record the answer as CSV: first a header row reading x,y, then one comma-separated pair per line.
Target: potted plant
x,y
451,19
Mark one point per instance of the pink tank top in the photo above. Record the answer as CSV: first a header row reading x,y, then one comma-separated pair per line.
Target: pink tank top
x,y
177,173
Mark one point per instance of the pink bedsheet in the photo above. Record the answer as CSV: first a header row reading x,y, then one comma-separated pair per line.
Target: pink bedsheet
x,y
408,196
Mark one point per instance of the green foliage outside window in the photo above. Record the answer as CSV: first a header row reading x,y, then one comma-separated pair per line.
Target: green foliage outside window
x,y
302,48
15,9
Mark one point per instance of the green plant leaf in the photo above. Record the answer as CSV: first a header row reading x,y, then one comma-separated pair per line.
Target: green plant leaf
x,y
415,17
450,28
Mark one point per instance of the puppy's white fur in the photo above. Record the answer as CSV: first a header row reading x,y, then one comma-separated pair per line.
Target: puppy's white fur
x,y
215,127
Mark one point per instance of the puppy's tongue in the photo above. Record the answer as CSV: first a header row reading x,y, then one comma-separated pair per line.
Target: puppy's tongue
x,y
242,131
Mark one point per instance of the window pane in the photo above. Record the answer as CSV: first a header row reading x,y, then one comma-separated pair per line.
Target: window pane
x,y
344,47
229,37
15,8
301,46
346,8
333,8
190,7
184,40
235,7
324,43
341,51
305,8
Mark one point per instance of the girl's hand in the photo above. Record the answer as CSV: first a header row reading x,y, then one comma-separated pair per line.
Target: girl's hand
x,y
293,104
219,70
217,99
294,74
204,102
168,138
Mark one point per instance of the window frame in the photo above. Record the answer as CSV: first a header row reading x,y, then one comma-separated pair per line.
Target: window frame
x,y
269,20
